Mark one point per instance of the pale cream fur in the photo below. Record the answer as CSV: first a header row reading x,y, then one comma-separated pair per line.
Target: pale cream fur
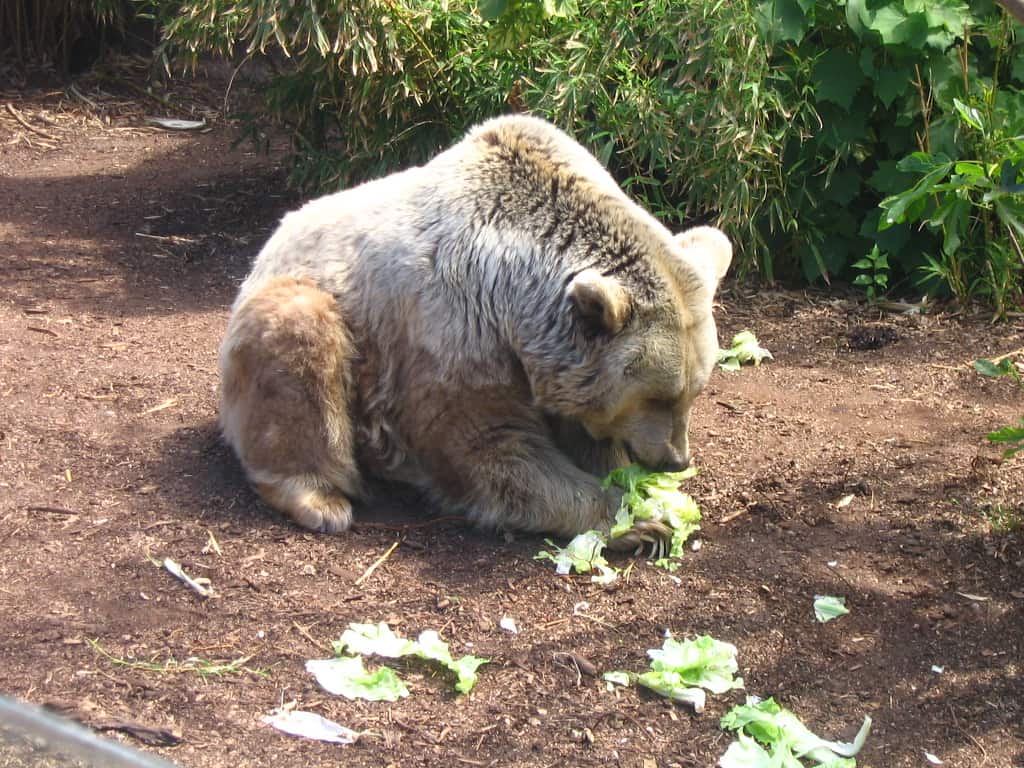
x,y
500,327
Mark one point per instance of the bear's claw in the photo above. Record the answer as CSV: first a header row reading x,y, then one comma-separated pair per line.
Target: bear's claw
x,y
643,532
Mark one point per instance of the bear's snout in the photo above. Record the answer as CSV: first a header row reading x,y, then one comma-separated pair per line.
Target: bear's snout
x,y
667,458
675,464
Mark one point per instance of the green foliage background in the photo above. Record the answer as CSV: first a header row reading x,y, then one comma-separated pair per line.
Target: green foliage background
x,y
786,122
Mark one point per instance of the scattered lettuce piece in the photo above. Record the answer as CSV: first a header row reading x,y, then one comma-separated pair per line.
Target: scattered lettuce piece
x,y
430,646
617,678
670,685
745,752
373,639
705,661
787,739
465,668
347,677
380,640
681,670
656,496
745,349
311,726
827,607
582,554
646,496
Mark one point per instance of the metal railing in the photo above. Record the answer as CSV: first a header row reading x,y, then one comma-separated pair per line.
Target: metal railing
x,y
31,737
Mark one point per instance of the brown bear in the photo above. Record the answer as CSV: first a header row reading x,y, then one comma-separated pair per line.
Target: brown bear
x,y
500,327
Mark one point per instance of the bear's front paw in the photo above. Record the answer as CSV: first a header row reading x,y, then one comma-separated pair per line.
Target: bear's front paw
x,y
324,512
643,532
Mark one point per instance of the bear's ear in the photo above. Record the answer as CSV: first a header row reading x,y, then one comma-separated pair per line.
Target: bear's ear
x,y
707,248
601,300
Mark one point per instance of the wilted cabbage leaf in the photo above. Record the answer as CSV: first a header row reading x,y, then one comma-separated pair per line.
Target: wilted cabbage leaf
x,y
311,726
380,640
583,555
656,496
827,607
787,739
681,670
346,676
745,349
705,661
373,639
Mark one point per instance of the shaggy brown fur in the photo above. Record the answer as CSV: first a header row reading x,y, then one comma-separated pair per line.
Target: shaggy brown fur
x,y
500,327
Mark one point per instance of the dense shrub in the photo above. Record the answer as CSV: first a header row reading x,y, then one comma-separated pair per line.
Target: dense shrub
x,y
787,121
920,106
67,34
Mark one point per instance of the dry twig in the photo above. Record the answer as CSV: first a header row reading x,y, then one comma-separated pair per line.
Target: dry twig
x,y
376,564
28,125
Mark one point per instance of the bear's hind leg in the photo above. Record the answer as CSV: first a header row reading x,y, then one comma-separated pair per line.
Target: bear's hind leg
x,y
285,369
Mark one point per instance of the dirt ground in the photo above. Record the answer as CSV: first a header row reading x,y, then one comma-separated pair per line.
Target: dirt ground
x,y
828,470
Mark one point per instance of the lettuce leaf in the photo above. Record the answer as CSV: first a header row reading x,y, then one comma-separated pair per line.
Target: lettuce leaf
x,y
703,661
745,752
617,678
346,676
646,496
582,554
745,349
373,639
827,607
380,640
788,740
672,686
465,668
656,496
681,670
430,646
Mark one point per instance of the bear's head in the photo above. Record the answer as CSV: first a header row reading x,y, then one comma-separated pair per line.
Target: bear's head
x,y
651,351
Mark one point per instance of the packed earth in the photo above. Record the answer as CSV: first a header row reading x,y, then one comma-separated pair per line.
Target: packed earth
x,y
854,463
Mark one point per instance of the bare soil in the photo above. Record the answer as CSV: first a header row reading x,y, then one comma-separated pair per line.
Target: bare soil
x,y
840,467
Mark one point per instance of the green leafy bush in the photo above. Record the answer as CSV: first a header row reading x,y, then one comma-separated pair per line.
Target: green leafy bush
x,y
887,78
786,122
366,87
874,273
975,205
1011,436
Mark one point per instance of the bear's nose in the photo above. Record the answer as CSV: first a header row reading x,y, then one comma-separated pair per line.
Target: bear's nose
x,y
674,463
672,466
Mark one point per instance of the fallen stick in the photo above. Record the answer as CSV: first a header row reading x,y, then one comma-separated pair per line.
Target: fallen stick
x,y
75,92
202,586
376,564
168,403
995,360
29,126
52,510
1013,353
733,515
